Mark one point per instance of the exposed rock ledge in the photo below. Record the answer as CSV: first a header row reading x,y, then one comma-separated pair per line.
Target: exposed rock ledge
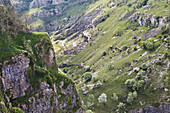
x,y
162,108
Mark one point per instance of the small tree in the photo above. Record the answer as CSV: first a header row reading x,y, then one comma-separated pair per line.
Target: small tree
x,y
144,66
130,82
87,76
102,98
114,97
124,48
120,105
94,78
141,73
131,97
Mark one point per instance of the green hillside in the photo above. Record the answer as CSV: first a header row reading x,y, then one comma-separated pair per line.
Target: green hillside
x,y
126,52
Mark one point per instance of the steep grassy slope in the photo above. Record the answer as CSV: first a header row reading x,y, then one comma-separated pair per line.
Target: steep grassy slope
x,y
125,40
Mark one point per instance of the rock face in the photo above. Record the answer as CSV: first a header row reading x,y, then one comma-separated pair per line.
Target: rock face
x,y
162,108
147,19
36,3
14,76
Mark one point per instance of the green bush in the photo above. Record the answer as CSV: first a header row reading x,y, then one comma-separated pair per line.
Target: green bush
x,y
16,110
135,48
142,3
94,78
141,73
124,48
104,53
114,97
166,54
133,84
102,98
130,82
138,85
129,5
148,45
144,66
65,70
131,97
87,76
121,105
110,66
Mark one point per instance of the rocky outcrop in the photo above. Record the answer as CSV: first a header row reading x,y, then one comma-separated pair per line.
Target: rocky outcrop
x,y
36,3
145,19
162,108
47,100
30,81
14,77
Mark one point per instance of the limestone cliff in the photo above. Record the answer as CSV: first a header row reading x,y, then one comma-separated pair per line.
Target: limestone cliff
x,y
29,78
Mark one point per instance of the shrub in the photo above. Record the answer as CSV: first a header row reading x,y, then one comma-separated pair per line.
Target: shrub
x,y
102,98
65,70
142,3
120,105
129,5
135,41
141,73
87,68
87,76
104,53
131,97
144,66
114,97
130,82
133,84
138,85
135,48
149,46
124,48
95,78
165,30
110,66
90,101
16,110
166,54
99,83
